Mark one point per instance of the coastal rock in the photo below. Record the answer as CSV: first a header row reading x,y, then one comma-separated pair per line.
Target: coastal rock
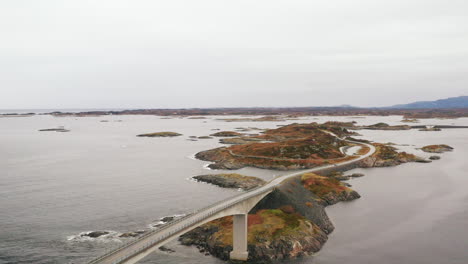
x,y
388,156
167,219
166,249
434,157
437,148
231,180
238,140
132,234
385,126
296,146
289,236
289,222
160,134
410,120
226,134
95,234
60,129
328,189
430,129
356,175
342,178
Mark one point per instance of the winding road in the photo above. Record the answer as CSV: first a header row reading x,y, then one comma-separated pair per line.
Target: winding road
x,y
133,251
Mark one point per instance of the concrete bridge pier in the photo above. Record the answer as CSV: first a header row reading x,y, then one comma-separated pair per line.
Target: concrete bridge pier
x,y
239,232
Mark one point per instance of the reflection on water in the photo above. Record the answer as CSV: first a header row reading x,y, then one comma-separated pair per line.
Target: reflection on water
x,y
100,176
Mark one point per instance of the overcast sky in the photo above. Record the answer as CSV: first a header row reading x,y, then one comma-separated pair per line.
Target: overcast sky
x,y
158,54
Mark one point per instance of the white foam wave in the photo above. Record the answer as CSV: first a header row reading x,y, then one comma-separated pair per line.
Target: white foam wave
x,y
111,236
160,221
206,166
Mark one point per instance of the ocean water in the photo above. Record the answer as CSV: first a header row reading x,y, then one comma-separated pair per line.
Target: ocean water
x,y
100,176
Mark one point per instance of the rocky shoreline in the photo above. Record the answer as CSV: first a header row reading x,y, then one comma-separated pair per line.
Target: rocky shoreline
x,y
301,200
232,180
288,223
437,148
160,134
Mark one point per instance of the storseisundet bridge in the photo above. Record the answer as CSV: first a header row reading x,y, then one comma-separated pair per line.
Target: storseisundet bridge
x,y
237,206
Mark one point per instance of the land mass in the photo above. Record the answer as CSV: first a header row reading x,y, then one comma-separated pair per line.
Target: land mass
x,y
437,148
160,134
298,146
445,108
232,180
288,223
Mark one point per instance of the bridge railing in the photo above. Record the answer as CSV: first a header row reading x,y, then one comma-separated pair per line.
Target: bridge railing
x,y
245,195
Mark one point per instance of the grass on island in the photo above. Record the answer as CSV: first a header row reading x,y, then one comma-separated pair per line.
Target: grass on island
x,y
321,185
265,225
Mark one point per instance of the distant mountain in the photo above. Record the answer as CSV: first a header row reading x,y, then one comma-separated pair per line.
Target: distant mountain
x,y
452,102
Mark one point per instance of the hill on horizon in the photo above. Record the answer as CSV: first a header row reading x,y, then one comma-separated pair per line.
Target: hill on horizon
x,y
452,102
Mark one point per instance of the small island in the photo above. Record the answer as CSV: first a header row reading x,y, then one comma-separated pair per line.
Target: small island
x,y
437,148
160,134
289,223
226,134
232,180
59,129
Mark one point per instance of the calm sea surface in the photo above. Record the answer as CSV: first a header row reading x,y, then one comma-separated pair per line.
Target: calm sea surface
x,y
100,176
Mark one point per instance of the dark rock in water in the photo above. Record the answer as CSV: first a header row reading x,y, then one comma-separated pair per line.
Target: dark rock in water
x,y
347,184
95,234
434,157
423,161
160,134
356,175
226,134
167,219
132,234
60,129
342,178
204,137
165,249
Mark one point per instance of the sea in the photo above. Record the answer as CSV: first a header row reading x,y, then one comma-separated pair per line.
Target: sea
x,y
57,186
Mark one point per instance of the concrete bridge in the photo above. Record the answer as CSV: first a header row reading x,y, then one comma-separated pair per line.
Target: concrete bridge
x,y
237,206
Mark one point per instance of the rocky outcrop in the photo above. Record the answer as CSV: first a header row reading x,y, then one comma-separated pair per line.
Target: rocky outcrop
x,y
430,129
95,234
133,233
238,140
328,189
166,249
409,120
388,156
60,129
226,134
296,146
437,148
384,126
289,235
232,180
160,134
290,222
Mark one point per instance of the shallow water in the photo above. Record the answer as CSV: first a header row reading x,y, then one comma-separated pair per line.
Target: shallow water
x,y
100,176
